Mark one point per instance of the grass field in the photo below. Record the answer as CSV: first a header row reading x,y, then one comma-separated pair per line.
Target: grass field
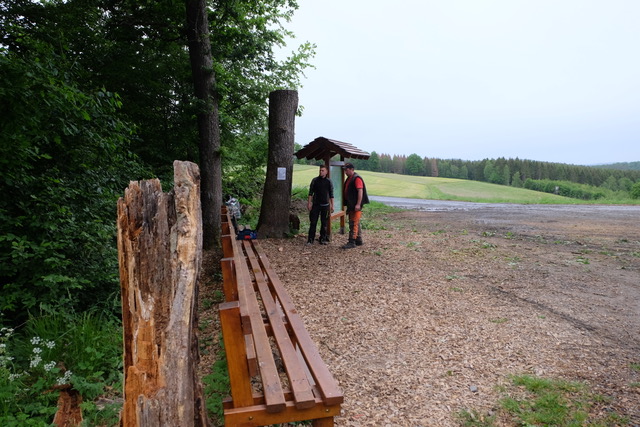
x,y
423,187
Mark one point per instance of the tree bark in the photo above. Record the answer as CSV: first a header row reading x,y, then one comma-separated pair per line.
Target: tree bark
x,y
160,253
204,82
276,200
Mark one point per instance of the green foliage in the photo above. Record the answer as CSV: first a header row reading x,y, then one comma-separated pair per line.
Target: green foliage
x,y
549,403
635,191
536,401
516,181
616,181
84,351
566,189
62,168
414,165
621,166
216,386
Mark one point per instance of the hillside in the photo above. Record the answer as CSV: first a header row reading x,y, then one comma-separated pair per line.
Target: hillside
x,y
633,166
421,187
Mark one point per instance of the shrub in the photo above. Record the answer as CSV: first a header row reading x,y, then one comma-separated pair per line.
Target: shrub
x,y
84,351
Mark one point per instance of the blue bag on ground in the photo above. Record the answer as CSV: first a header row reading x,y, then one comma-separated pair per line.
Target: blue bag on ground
x,y
247,234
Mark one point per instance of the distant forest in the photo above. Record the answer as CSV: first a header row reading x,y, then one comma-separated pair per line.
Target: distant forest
x,y
634,166
512,172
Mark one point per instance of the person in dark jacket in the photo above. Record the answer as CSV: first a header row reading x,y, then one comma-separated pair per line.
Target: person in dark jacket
x,y
320,204
355,196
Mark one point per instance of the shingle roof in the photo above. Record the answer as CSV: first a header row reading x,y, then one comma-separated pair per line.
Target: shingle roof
x,y
319,147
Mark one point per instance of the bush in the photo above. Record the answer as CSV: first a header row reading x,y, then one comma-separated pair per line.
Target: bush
x,y
63,161
84,351
635,191
565,188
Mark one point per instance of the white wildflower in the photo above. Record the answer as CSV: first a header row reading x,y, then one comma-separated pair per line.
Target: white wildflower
x,y
35,361
50,344
35,340
49,366
65,378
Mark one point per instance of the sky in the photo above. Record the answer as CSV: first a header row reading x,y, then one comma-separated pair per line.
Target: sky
x,y
547,80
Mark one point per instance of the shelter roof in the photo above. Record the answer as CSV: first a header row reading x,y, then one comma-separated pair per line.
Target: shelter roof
x,y
321,148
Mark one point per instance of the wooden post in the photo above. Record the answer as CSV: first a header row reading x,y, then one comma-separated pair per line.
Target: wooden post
x,y
160,252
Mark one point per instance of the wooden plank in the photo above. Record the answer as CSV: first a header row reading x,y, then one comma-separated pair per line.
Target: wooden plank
x,y
227,245
297,375
272,387
323,422
243,281
229,280
235,349
257,416
328,386
252,359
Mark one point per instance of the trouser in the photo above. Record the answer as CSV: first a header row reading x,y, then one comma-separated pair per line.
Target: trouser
x,y
316,212
355,231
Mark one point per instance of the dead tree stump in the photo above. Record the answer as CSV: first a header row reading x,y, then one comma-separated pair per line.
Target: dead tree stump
x,y
160,252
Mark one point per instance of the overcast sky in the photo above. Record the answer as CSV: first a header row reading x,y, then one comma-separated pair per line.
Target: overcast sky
x,y
549,80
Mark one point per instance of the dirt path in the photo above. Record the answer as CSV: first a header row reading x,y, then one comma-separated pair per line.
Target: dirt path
x,y
438,308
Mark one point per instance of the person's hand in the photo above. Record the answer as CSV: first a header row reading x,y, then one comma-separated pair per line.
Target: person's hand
x,y
358,207
309,206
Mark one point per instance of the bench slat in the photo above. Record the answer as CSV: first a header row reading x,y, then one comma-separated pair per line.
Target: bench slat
x,y
297,376
328,386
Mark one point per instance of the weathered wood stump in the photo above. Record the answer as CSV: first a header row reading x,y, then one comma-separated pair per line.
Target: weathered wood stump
x,y
160,252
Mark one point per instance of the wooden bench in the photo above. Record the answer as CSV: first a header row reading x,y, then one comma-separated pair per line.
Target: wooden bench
x,y
275,369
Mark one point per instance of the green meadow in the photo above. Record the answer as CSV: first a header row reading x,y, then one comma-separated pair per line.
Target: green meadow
x,y
424,187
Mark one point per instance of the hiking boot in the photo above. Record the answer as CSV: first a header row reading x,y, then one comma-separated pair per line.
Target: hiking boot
x,y
309,242
359,242
324,242
349,245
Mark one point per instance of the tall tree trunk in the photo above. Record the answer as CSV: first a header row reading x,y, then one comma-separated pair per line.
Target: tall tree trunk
x,y
160,252
204,81
276,200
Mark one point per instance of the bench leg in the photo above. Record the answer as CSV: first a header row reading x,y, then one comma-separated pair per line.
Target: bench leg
x,y
323,422
234,346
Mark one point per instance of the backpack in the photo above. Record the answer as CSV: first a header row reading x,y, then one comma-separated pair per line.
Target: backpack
x,y
246,234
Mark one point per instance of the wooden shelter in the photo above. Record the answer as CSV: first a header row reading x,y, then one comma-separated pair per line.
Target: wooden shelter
x,y
333,153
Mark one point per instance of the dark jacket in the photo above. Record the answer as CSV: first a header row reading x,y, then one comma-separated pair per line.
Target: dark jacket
x,y
351,193
322,190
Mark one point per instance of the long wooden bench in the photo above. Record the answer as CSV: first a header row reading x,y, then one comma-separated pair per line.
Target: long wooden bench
x,y
275,369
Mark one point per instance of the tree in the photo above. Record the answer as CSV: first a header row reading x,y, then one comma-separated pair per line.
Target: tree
x,y
506,175
611,183
635,191
62,169
85,84
208,127
385,163
276,198
374,162
413,165
517,181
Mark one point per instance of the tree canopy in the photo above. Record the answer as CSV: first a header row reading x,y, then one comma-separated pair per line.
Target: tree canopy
x,y
95,93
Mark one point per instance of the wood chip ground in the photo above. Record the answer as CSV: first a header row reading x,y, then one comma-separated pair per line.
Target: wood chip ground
x,y
437,309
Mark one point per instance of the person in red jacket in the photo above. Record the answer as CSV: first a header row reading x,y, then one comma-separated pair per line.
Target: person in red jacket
x,y
355,196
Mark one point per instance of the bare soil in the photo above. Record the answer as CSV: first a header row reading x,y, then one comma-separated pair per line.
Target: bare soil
x,y
438,309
